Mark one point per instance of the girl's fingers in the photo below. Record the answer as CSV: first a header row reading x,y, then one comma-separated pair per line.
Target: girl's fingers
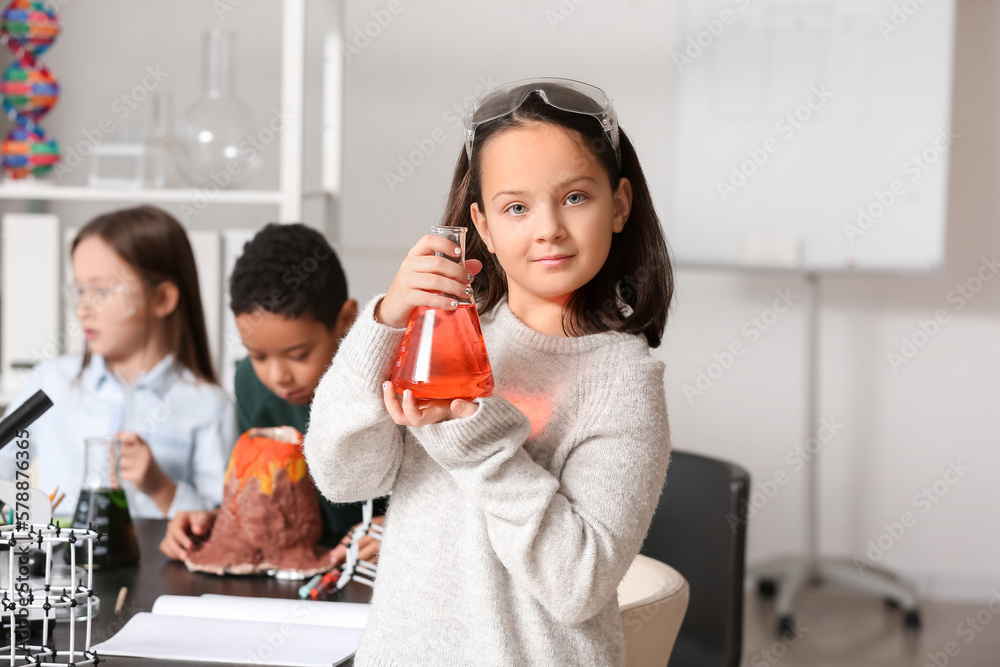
x,y
463,409
409,411
422,275
435,274
431,243
420,413
130,439
433,288
392,404
439,266
444,301
132,444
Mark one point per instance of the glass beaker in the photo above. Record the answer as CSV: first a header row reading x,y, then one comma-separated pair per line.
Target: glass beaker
x,y
160,143
443,355
104,507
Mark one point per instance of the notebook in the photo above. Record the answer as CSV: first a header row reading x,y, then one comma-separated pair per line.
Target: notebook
x,y
228,629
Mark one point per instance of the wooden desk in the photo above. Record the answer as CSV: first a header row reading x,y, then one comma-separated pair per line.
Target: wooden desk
x,y
155,576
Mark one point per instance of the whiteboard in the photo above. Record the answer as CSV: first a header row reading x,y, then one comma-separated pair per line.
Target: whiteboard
x,y
812,135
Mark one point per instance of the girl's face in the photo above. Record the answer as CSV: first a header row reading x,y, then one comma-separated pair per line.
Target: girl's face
x,y
110,300
549,212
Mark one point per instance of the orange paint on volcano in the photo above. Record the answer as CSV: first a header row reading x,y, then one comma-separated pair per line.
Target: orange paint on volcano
x,y
256,455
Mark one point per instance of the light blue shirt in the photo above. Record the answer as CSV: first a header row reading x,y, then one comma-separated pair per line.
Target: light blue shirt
x,y
190,426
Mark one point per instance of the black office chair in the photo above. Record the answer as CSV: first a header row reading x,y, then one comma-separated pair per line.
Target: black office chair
x,y
697,530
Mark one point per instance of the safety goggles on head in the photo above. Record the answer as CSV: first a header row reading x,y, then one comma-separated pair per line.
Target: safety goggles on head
x,y
564,94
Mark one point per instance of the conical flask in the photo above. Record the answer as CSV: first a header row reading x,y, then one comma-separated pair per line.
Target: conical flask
x,y
104,507
211,136
443,355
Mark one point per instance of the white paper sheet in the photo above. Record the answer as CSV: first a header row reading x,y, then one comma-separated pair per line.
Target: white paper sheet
x,y
289,633
308,612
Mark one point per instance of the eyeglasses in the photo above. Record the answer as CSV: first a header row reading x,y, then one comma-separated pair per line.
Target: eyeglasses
x,y
564,94
93,296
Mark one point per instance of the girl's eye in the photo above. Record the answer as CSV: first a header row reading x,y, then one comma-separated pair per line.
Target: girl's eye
x,y
299,357
576,198
516,209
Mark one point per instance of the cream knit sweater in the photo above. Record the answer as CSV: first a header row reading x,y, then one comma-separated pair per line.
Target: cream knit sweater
x,y
508,531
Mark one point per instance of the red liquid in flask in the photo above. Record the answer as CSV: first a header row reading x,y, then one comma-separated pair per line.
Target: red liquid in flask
x,y
443,355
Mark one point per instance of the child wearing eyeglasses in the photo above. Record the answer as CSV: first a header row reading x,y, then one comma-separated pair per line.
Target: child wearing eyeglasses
x,y
515,516
146,376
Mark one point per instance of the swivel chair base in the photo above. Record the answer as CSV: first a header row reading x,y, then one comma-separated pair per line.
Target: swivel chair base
x,y
788,577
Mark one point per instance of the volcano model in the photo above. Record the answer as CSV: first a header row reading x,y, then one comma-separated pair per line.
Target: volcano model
x,y
270,516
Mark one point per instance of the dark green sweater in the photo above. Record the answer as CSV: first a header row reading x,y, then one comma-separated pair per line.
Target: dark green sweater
x,y
259,407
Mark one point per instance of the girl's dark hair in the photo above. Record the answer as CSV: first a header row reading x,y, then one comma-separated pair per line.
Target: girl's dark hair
x,y
157,247
633,290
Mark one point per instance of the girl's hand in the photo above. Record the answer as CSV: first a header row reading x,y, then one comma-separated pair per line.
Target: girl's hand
x,y
137,463
368,546
139,467
426,280
409,411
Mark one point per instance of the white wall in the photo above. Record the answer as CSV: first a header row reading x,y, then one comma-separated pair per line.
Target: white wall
x,y
900,428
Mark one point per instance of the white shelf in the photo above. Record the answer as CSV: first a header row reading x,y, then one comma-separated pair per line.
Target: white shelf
x,y
43,192
288,197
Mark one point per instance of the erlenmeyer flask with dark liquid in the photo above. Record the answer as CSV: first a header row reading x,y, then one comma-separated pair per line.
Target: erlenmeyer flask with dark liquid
x,y
103,506
443,355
